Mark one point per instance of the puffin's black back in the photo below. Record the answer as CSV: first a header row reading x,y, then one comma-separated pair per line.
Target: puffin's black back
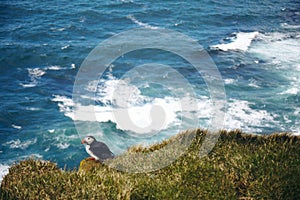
x,y
101,150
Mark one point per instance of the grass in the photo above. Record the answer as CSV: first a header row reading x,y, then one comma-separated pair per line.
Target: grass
x,y
241,166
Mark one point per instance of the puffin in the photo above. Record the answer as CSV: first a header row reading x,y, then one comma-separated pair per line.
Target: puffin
x,y
98,151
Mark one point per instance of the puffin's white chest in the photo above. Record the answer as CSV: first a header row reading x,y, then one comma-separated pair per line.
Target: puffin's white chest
x,y
87,148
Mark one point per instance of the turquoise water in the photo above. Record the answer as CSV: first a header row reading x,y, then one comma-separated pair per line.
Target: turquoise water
x,y
255,46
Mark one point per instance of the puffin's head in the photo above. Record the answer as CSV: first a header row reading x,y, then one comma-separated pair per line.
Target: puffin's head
x,y
88,140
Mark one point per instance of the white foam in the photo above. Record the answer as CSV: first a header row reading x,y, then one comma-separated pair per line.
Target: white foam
x,y
253,83
51,130
82,19
65,47
289,26
34,155
121,101
239,42
297,111
28,85
240,115
133,19
58,29
127,1
32,108
92,86
229,81
140,115
55,67
278,48
18,144
16,126
293,91
34,74
4,169
65,105
296,126
117,91
62,145
62,141
65,100
281,53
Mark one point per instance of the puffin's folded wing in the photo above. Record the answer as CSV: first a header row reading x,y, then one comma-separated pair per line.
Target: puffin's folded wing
x,y
101,150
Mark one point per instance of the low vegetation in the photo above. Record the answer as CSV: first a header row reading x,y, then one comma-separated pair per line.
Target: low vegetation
x,y
240,166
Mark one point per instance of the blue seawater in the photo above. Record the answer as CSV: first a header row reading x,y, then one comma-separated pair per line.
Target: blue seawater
x,y
255,45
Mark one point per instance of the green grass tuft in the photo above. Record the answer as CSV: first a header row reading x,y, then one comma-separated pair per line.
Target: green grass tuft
x,y
241,166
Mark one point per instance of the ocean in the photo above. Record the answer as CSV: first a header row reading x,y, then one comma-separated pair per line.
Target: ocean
x,y
255,47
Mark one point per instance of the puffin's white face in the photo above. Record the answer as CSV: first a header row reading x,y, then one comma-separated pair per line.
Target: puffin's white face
x,y
88,140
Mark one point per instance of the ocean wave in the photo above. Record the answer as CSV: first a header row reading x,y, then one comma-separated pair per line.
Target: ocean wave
x,y
253,83
117,101
16,126
134,20
34,74
55,67
238,42
296,126
4,169
28,85
32,108
140,115
289,26
240,115
18,144
279,48
31,156
112,90
228,81
65,47
62,145
127,1
65,105
51,130
58,29
281,54
293,91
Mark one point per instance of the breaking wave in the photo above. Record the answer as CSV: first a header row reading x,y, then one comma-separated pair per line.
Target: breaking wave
x,y
237,42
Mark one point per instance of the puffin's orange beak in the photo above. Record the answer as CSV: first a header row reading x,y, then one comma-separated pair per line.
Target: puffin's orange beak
x,y
83,141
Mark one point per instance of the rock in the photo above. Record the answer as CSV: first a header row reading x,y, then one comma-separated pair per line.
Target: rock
x,y
88,165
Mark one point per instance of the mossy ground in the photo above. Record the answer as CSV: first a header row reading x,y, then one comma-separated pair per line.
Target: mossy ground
x,y
241,166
